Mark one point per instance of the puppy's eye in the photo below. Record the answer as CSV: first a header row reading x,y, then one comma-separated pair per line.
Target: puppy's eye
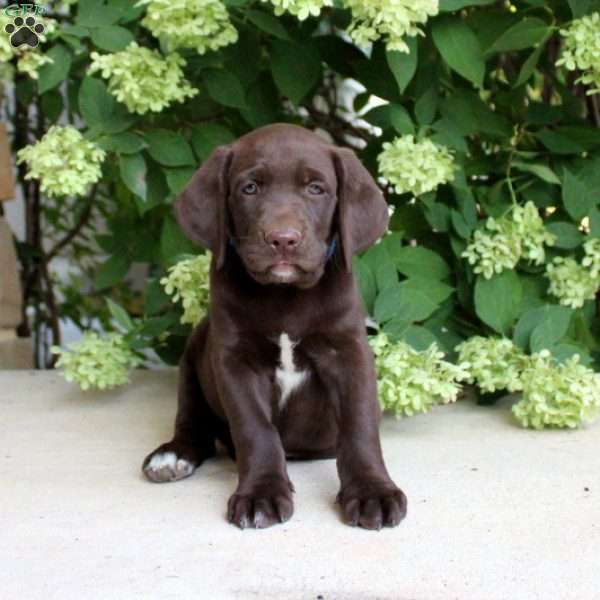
x,y
316,189
250,189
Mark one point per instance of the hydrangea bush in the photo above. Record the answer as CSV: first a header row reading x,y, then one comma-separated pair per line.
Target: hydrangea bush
x,y
479,119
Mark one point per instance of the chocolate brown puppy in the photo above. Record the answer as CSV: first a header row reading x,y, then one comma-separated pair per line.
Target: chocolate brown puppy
x,y
281,368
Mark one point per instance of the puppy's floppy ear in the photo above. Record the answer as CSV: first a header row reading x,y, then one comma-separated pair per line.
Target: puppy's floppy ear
x,y
201,208
362,210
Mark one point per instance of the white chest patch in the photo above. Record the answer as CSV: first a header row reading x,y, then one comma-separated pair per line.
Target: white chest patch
x,y
287,375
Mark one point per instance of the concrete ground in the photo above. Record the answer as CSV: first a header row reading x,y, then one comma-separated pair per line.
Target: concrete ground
x,y
495,511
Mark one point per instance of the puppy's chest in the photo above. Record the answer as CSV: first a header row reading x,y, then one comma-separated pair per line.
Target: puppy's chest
x,y
289,376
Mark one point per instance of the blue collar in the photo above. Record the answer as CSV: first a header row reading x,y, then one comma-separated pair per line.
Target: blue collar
x,y
330,249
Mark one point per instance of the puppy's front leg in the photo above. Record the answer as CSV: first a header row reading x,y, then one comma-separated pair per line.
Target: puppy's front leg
x,y
264,493
368,496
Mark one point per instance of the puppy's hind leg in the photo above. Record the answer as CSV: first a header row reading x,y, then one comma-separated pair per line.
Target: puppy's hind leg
x,y
195,425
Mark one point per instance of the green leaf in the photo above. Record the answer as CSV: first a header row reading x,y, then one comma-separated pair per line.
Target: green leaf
x,y
133,172
177,179
544,172
112,38
418,261
459,48
93,109
391,116
75,30
366,283
575,196
408,304
296,69
97,14
154,327
595,222
120,315
497,300
426,106
547,333
435,290
559,143
438,216
402,64
396,328
123,143
268,23
451,5
460,225
448,133
158,189
173,242
100,110
170,148
54,73
113,271
562,352
567,235
52,105
420,338
129,11
580,8
529,66
206,137
224,87
379,260
262,102
542,319
524,34
155,297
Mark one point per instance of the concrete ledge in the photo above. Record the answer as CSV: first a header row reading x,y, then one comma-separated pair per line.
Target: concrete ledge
x,y
495,511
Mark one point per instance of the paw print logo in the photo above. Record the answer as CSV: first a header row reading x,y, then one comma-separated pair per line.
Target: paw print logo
x,y
24,31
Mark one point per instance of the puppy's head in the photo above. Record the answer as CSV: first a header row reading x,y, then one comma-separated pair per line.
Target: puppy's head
x,y
282,196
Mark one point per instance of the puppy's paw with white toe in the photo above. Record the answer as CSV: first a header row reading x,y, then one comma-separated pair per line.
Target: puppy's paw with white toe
x,y
165,465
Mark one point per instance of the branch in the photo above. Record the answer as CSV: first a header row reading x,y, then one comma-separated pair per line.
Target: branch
x,y
71,235
594,106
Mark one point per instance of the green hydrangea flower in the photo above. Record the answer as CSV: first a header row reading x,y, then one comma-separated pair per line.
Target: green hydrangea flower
x,y
97,362
557,395
391,20
200,24
518,234
408,381
31,61
188,282
493,253
143,79
302,9
571,282
494,364
416,167
591,259
581,50
64,161
530,229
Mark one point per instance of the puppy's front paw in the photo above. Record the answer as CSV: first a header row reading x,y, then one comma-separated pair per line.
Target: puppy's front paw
x,y
264,506
372,505
170,462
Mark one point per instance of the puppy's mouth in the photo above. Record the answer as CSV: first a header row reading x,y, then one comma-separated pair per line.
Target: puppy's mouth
x,y
284,270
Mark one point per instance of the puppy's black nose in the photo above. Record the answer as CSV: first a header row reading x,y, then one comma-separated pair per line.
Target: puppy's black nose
x,y
283,239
